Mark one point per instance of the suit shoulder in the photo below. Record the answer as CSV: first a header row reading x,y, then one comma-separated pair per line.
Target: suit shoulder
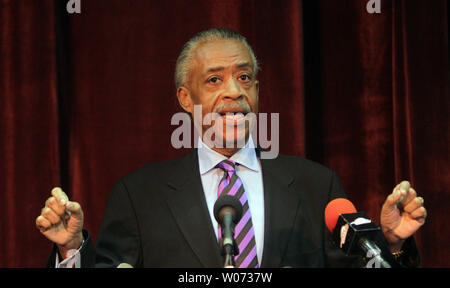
x,y
303,165
153,171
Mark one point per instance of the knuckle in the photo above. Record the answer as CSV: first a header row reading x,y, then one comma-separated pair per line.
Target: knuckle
x,y
58,193
49,201
44,211
41,222
48,213
56,190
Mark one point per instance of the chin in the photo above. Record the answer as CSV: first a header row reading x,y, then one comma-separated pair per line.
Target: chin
x,y
237,139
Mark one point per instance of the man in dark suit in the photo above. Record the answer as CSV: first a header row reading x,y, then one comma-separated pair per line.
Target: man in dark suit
x,y
161,215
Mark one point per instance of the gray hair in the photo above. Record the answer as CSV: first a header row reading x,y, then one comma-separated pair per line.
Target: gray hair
x,y
183,61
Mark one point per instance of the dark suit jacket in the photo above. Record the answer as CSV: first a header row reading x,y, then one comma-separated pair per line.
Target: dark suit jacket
x,y
157,217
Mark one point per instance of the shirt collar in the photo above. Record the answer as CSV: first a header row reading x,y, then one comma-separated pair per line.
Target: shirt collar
x,y
208,158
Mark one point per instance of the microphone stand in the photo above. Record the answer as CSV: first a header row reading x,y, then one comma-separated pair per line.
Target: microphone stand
x,y
229,246
229,257
371,249
228,212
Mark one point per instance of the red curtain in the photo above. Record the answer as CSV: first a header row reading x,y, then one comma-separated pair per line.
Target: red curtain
x,y
29,145
385,107
87,98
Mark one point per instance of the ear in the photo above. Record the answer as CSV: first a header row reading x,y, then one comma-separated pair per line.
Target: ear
x,y
185,100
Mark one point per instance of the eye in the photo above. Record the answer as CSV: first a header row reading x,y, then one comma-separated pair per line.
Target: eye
x,y
213,80
244,77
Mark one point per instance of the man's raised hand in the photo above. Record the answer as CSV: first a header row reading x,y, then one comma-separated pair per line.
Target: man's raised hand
x,y
402,215
61,221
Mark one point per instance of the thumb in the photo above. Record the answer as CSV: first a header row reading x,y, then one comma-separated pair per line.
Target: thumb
x,y
74,209
392,200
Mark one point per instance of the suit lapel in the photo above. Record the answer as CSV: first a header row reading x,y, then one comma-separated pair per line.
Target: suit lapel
x,y
281,205
187,203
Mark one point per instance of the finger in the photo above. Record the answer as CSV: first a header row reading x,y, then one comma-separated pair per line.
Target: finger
x,y
393,198
42,224
421,220
50,215
410,196
404,187
420,212
395,188
60,196
413,204
53,204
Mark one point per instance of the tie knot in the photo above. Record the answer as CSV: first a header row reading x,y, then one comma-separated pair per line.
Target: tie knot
x,y
227,165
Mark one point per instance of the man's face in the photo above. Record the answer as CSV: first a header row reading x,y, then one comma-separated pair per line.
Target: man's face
x,y
222,81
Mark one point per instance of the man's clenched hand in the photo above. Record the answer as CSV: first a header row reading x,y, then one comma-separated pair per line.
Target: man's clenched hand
x,y
402,215
61,221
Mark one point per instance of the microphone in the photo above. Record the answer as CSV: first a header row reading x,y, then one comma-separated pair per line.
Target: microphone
x,y
354,231
228,212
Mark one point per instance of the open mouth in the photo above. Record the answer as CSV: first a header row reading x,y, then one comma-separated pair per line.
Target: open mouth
x,y
233,118
232,113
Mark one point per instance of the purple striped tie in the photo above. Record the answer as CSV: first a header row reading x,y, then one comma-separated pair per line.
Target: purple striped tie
x,y
231,184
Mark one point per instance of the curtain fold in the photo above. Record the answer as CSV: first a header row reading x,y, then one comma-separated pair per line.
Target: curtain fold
x,y
87,98
421,115
29,155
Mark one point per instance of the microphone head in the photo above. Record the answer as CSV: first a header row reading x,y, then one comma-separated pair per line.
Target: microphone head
x,y
334,209
228,203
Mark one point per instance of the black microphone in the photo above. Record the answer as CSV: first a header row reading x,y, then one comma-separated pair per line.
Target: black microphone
x,y
354,232
228,212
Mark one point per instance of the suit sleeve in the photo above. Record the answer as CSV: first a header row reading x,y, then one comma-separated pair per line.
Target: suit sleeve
x,y
119,236
87,253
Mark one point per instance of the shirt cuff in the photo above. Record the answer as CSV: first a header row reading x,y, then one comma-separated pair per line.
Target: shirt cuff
x,y
73,259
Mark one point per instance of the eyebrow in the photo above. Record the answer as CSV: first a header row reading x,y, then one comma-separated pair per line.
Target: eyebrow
x,y
245,64
220,68
215,69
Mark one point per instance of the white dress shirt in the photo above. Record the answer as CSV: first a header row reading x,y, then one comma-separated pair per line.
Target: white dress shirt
x,y
250,172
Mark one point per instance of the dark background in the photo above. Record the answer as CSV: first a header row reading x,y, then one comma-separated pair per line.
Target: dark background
x,y
87,98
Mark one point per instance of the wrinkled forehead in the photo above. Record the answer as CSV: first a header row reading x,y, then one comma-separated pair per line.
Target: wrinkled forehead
x,y
221,53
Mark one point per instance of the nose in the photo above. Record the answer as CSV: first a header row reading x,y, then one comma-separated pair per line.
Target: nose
x,y
233,90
